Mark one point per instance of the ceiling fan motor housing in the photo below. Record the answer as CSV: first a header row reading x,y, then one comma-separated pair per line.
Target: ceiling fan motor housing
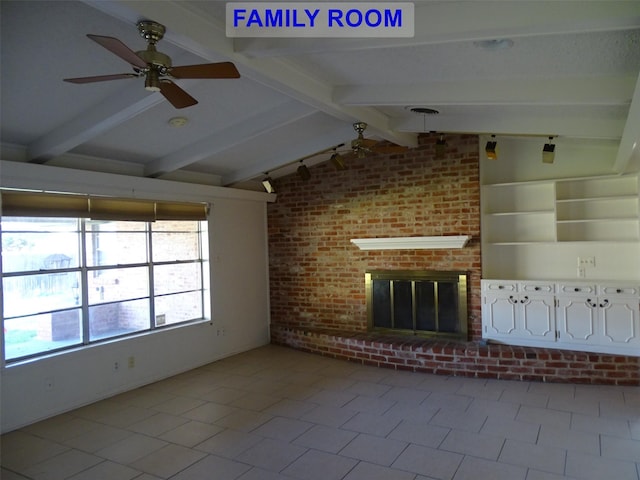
x,y
156,59
357,144
151,31
359,127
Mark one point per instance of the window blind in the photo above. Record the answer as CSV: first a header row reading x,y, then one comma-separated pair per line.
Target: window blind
x,y
35,204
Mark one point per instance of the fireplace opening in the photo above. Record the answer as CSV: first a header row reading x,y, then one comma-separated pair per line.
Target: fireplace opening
x,y
417,302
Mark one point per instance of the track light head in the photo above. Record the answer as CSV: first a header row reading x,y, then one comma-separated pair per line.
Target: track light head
x,y
267,183
338,161
549,152
441,147
490,148
303,172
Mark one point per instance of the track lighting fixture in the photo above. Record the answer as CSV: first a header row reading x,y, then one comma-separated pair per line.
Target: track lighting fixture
x,y
303,172
441,146
267,183
490,148
338,161
549,152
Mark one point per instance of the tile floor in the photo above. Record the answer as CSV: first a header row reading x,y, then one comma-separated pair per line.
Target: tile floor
x,y
275,413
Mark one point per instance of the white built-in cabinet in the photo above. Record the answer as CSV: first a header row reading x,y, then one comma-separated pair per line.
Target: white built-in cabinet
x,y
595,317
518,310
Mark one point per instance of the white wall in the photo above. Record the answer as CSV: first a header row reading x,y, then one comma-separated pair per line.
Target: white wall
x,y
239,302
520,159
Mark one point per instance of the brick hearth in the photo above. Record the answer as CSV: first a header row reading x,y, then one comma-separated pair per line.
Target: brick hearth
x,y
465,359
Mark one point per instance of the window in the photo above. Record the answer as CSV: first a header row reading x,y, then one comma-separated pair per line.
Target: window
x,y
69,282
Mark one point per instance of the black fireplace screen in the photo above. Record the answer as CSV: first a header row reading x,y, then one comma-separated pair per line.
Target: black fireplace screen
x,y
428,302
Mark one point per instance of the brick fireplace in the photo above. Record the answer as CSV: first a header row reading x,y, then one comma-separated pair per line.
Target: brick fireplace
x,y
318,296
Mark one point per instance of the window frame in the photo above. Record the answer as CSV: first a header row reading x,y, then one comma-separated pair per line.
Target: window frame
x,y
84,271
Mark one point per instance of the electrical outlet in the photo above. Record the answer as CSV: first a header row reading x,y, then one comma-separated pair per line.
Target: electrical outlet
x,y
586,261
116,366
581,272
132,362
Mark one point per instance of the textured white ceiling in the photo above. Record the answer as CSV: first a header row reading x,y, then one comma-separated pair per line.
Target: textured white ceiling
x,y
572,71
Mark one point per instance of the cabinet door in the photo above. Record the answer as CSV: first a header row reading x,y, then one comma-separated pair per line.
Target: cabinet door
x,y
537,318
577,318
499,315
620,321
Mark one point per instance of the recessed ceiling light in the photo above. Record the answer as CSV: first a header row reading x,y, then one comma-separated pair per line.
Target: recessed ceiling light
x,y
424,110
495,44
178,122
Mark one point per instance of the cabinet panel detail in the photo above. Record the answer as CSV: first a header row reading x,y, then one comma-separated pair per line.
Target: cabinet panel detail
x,y
538,317
576,289
619,290
577,320
537,287
621,322
499,286
500,314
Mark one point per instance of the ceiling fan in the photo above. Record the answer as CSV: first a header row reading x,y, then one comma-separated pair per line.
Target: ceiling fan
x,y
156,67
361,147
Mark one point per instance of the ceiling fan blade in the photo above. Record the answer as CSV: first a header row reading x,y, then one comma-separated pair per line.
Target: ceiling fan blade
x,y
100,78
120,49
350,155
368,142
206,70
176,95
363,144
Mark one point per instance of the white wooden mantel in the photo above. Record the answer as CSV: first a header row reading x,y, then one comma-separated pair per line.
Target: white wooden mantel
x,y
412,243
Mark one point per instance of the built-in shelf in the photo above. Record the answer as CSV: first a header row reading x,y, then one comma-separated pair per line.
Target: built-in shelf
x,y
591,199
527,212
593,220
412,243
604,209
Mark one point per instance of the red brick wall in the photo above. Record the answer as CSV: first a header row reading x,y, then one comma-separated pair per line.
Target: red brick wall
x,y
317,274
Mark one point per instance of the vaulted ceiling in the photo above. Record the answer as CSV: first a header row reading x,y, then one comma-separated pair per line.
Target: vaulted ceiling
x,y
569,69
